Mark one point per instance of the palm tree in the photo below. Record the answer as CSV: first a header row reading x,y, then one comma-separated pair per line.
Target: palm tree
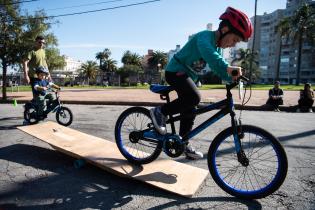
x,y
132,64
110,65
136,59
302,22
104,55
158,59
247,59
130,58
89,70
283,29
126,58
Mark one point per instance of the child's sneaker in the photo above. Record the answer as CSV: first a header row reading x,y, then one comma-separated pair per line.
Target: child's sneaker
x,y
159,120
192,154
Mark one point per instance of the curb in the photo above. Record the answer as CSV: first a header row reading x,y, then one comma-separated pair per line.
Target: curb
x,y
140,103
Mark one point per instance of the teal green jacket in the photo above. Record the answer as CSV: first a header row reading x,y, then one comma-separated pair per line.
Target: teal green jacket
x,y
201,46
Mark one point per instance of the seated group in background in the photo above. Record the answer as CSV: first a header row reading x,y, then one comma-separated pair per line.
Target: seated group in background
x,y
275,97
306,99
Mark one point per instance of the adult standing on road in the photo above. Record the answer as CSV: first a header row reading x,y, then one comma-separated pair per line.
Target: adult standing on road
x,y
34,59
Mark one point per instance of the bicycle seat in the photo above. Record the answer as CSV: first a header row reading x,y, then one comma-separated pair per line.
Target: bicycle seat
x,y
161,89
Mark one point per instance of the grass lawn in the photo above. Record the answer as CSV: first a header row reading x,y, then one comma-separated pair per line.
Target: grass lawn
x,y
204,87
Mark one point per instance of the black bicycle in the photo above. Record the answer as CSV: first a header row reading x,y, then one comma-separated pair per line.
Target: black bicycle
x,y
244,160
64,115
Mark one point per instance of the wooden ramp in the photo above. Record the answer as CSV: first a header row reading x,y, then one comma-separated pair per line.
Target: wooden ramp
x,y
166,174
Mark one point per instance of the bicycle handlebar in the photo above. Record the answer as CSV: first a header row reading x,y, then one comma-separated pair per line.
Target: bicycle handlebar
x,y
53,90
235,73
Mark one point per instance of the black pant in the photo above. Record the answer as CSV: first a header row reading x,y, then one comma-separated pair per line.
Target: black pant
x,y
188,98
306,103
275,102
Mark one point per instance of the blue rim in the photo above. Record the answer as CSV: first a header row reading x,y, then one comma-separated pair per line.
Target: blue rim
x,y
245,192
121,145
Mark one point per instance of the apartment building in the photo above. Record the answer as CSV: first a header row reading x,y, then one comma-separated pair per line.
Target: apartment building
x,y
268,44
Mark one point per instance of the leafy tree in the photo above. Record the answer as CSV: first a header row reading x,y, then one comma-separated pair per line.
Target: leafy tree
x,y
17,35
244,58
10,35
54,60
127,70
89,70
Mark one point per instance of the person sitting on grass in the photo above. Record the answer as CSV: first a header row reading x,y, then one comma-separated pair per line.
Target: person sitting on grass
x,y
275,97
306,99
40,90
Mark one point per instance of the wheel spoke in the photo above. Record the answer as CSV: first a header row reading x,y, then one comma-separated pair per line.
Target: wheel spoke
x,y
263,153
135,146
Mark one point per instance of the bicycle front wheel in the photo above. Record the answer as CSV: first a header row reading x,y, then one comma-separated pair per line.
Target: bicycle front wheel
x,y
64,116
129,140
267,163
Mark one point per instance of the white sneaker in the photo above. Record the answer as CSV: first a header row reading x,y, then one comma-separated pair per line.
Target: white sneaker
x,y
192,154
310,110
159,120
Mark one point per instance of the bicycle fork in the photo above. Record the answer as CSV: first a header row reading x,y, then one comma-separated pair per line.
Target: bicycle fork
x,y
238,134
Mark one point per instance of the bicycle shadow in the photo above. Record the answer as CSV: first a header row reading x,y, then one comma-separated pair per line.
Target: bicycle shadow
x,y
64,187
130,170
8,126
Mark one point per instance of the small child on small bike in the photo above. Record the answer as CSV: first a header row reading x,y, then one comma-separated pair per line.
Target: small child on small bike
x,y
182,71
40,90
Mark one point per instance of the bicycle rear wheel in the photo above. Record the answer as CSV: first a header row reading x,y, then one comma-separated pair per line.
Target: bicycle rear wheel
x,y
30,114
263,175
129,140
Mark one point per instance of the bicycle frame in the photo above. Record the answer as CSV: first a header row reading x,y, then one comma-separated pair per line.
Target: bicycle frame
x,y
57,102
226,107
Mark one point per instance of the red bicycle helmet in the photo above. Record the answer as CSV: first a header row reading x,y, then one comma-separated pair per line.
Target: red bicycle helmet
x,y
239,21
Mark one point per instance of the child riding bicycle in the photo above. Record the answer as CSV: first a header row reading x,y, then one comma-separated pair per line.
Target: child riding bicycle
x,y
181,72
41,85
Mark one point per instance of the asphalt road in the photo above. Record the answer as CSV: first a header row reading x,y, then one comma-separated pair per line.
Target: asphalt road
x,y
34,176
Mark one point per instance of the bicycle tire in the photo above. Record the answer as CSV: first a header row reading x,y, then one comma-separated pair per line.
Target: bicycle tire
x,y
28,114
223,169
142,151
62,112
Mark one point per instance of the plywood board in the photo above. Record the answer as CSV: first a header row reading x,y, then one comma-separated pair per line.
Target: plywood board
x,y
166,174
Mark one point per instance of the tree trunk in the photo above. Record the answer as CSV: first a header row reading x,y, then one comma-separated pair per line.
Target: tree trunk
x,y
298,66
279,61
4,80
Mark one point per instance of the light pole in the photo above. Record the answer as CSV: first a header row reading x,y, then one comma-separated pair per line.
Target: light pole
x,y
253,46
159,71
